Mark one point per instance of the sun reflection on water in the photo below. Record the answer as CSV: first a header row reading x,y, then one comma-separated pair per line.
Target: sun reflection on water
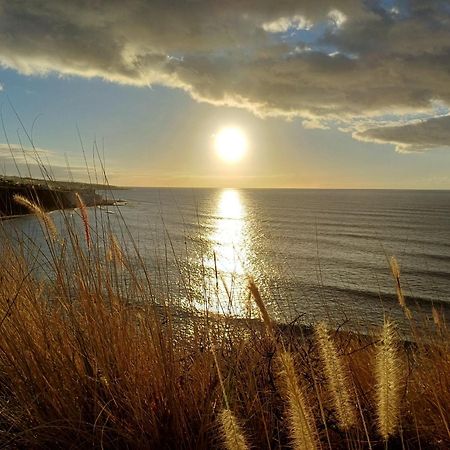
x,y
230,249
228,237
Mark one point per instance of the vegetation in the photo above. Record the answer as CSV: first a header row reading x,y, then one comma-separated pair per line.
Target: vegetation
x,y
92,354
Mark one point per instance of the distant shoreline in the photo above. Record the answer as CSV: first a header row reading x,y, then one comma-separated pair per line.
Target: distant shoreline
x,y
284,188
54,184
50,195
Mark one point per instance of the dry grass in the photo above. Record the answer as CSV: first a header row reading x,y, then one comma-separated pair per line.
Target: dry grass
x,y
89,360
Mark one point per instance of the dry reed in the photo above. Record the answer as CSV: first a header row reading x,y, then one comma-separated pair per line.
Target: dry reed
x,y
261,306
395,270
84,218
115,252
436,317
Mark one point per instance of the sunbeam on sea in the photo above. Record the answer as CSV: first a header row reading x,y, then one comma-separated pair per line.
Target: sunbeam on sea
x,y
315,254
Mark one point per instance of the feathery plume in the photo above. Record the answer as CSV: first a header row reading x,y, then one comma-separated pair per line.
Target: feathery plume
x,y
115,252
436,317
39,212
301,424
388,369
234,438
337,377
395,269
84,218
261,306
408,313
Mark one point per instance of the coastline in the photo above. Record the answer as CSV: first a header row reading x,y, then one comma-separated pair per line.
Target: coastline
x,y
50,195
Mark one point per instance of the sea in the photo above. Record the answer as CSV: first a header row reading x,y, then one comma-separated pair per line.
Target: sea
x,y
314,254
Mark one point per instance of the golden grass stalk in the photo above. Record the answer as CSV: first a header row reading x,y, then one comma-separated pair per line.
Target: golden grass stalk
x,y
115,252
436,317
337,378
301,421
40,213
84,218
233,435
395,269
261,306
388,370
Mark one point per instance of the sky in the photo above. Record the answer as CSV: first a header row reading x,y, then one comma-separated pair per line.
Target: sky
x,y
329,93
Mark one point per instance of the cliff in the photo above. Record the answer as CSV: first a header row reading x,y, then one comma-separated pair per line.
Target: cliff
x,y
49,195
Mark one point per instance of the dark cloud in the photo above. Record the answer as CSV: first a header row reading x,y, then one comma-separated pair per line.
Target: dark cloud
x,y
367,60
413,137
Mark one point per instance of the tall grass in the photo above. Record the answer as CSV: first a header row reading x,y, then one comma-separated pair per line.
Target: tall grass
x,y
93,353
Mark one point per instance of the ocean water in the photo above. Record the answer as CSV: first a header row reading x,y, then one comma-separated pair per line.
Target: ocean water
x,y
315,254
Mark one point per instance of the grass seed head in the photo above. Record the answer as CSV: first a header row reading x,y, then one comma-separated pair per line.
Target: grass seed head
x,y
40,213
337,378
301,422
233,435
388,376
84,218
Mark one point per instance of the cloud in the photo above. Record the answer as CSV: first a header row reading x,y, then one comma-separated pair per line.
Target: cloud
x,y
283,24
337,17
363,59
1,87
42,163
412,137
23,155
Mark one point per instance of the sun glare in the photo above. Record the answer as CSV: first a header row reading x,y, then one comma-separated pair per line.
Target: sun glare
x,y
230,144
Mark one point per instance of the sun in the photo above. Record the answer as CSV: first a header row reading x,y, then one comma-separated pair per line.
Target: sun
x,y
230,144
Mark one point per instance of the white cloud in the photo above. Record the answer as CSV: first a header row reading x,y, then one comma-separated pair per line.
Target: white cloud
x,y
314,124
337,17
301,49
41,162
21,154
283,24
